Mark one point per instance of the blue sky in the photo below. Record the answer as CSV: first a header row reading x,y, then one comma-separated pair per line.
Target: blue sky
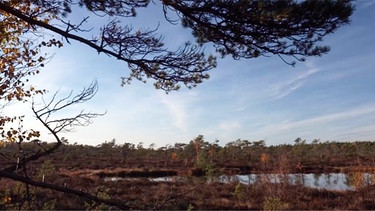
x,y
328,98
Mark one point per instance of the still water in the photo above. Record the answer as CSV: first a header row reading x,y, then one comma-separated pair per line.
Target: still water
x,y
330,181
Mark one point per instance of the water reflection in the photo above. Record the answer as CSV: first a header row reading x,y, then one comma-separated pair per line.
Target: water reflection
x,y
331,181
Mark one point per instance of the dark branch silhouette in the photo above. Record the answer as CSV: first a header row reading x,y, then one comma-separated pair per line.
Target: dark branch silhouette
x,y
242,29
26,180
55,126
168,68
249,29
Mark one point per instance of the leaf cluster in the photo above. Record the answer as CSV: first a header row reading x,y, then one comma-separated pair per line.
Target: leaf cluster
x,y
20,55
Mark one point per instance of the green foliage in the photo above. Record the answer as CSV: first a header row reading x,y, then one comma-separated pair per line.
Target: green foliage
x,y
240,192
272,203
211,170
103,193
5,198
50,205
25,198
190,207
47,168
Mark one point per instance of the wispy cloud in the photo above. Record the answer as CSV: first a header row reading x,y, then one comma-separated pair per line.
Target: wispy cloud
x,y
229,125
335,122
240,108
284,89
178,108
287,89
358,133
365,4
352,113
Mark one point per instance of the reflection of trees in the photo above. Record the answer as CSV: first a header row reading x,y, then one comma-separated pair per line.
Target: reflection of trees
x,y
328,179
258,178
349,179
299,179
370,178
252,178
335,179
332,181
316,179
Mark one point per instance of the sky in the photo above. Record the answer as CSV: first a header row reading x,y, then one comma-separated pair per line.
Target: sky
x,y
330,98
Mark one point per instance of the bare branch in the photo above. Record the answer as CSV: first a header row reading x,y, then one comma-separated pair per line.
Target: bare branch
x,y
172,197
59,125
66,124
189,64
26,180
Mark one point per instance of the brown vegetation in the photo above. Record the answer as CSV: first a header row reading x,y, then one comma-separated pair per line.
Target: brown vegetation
x,y
123,172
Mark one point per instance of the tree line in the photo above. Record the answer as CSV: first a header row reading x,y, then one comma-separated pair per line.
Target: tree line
x,y
198,153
